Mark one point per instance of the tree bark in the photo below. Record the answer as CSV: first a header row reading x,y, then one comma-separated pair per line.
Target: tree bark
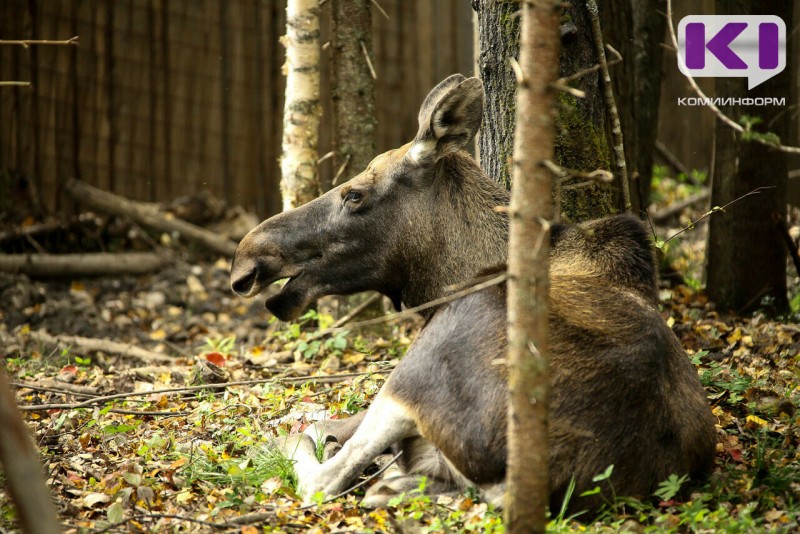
x,y
746,255
353,112
581,133
301,111
23,472
354,118
498,35
636,28
529,239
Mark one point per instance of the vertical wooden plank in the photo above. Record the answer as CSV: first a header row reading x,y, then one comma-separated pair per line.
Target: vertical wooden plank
x,y
258,191
225,60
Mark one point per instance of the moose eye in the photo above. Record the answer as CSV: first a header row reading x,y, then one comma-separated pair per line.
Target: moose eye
x,y
353,197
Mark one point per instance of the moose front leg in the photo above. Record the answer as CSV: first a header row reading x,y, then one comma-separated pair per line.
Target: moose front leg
x,y
386,422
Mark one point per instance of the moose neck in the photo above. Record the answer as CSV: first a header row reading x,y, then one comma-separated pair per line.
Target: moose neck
x,y
463,233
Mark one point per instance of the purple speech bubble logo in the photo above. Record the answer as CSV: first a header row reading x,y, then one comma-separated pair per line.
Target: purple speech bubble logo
x,y
732,46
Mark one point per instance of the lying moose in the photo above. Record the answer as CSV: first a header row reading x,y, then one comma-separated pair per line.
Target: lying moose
x,y
423,218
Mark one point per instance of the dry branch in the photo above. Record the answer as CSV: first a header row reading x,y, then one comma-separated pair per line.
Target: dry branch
x,y
86,344
25,43
662,216
148,215
331,379
611,106
73,265
22,470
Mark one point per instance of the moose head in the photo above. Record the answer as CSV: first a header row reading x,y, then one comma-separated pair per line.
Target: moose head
x,y
403,227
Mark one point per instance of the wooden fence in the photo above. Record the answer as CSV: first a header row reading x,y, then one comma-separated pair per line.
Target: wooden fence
x,y
165,98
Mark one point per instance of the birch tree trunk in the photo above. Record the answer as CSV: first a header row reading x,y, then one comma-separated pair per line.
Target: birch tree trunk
x,y
302,111
531,210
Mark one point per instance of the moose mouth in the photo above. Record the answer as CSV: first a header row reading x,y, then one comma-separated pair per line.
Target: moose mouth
x,y
291,299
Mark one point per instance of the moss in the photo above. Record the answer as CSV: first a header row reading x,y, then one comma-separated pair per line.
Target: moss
x,y
582,145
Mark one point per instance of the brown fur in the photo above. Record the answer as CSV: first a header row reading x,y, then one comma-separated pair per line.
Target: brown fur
x,y
623,391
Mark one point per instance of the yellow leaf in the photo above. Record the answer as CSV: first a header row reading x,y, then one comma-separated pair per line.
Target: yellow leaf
x,y
77,286
671,322
756,421
735,336
158,335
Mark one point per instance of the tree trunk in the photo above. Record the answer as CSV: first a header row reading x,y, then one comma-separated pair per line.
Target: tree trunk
x,y
302,111
23,472
529,239
581,134
746,256
353,112
636,28
498,35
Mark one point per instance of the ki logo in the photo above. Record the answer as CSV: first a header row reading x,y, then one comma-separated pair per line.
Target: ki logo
x,y
732,46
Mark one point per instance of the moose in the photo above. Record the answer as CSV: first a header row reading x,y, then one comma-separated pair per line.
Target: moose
x,y
423,219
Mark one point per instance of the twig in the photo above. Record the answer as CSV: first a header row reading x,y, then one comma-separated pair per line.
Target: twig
x,y
670,158
341,170
142,413
358,309
720,115
249,519
106,398
65,389
15,84
492,280
25,43
565,174
665,214
379,8
369,62
715,209
594,68
367,480
85,344
608,94
327,156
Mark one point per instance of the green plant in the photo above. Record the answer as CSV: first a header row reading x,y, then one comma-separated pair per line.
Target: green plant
x,y
669,488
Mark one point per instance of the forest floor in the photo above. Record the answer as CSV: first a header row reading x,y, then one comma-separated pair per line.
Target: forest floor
x,y
182,452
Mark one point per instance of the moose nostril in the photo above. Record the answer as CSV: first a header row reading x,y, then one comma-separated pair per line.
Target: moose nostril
x,y
244,283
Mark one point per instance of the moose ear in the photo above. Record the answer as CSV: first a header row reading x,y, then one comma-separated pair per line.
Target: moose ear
x,y
448,119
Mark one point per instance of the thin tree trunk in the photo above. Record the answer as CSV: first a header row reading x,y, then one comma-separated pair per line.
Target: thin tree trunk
x,y
23,472
530,212
637,85
746,255
302,111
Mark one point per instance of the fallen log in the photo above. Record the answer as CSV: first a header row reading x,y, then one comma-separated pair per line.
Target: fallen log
x,y
149,216
84,345
73,265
